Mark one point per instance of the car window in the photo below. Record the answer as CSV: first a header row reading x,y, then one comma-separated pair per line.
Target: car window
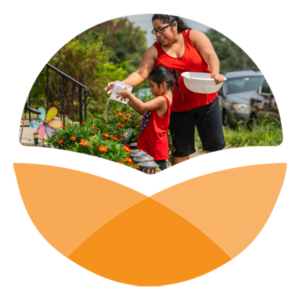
x,y
243,84
265,89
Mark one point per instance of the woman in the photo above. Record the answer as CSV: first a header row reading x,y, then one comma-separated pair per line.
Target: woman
x,y
182,49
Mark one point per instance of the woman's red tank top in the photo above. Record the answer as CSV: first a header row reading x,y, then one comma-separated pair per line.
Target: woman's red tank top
x,y
153,137
191,61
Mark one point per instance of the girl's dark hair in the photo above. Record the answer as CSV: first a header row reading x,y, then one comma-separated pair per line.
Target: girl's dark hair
x,y
168,19
160,74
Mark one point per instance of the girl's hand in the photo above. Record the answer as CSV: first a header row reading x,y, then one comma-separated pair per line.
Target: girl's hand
x,y
124,94
110,87
217,77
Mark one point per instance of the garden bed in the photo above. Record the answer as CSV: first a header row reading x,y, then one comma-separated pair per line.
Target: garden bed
x,y
107,139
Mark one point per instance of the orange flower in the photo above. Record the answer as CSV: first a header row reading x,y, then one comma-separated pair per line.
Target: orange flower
x,y
138,126
97,147
121,125
138,167
129,160
53,133
63,127
126,149
114,112
128,115
115,139
103,149
60,141
120,115
140,119
83,143
83,123
118,109
120,163
94,136
105,135
73,138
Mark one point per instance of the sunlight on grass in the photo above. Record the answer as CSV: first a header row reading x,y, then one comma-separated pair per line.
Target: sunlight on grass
x,y
263,134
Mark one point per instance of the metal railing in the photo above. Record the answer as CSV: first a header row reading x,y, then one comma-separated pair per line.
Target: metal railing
x,y
84,95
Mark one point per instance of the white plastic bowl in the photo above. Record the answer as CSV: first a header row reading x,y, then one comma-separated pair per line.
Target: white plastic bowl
x,y
197,83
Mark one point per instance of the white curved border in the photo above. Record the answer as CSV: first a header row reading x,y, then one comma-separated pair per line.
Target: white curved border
x,y
286,152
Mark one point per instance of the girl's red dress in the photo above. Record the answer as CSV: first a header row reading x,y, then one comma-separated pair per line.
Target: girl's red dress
x,y
153,138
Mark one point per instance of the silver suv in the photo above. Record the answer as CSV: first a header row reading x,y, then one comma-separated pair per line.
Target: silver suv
x,y
235,95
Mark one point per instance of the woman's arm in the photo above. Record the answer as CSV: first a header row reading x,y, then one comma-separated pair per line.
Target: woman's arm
x,y
141,74
206,49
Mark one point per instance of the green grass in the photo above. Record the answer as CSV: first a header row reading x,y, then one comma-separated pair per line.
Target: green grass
x,y
263,134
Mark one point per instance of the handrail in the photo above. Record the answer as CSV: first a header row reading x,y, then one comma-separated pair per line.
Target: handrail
x,y
81,87
70,78
83,94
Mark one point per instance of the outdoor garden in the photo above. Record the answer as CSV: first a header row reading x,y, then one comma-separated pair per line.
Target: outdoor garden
x,y
112,50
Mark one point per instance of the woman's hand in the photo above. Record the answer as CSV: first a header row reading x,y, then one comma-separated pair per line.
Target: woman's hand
x,y
217,77
110,87
124,94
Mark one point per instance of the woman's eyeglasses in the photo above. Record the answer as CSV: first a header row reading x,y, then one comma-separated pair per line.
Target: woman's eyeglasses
x,y
162,29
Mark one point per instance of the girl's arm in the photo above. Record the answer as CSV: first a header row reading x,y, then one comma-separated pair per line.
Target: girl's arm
x,y
141,107
136,108
206,49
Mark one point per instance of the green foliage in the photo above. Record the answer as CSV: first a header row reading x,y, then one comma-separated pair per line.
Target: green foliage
x,y
264,133
230,55
146,96
86,62
101,54
99,138
128,43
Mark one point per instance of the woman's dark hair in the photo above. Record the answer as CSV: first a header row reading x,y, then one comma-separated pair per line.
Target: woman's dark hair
x,y
160,74
168,19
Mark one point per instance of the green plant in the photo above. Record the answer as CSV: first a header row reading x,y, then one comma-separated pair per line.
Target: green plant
x,y
99,137
264,133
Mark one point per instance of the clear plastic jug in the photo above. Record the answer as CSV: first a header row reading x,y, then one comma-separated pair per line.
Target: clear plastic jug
x,y
119,87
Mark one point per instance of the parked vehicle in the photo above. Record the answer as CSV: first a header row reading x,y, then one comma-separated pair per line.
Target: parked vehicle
x,y
263,105
235,95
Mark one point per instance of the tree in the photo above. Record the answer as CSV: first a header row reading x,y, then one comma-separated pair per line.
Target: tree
x,y
86,60
230,55
127,42
106,52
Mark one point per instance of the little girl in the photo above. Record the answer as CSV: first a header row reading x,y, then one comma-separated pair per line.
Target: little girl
x,y
153,138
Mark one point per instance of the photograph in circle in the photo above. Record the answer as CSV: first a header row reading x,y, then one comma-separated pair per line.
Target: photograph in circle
x,y
149,92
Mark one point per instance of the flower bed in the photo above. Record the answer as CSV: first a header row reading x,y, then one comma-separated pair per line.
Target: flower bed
x,y
107,139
